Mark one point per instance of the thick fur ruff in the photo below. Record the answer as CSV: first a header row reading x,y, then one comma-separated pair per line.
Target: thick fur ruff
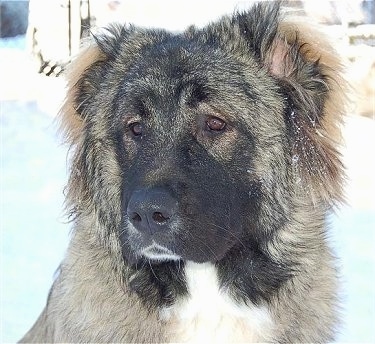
x,y
225,139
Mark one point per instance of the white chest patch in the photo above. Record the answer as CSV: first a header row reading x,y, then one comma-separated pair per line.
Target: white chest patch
x,y
209,315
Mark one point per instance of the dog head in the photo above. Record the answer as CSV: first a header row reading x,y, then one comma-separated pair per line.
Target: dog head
x,y
191,145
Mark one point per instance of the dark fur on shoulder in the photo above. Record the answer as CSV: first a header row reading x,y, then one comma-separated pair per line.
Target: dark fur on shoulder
x,y
232,130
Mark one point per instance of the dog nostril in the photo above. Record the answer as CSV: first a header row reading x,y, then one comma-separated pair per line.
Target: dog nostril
x,y
136,217
159,217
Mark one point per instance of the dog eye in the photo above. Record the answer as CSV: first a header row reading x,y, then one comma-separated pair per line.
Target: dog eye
x,y
215,124
136,128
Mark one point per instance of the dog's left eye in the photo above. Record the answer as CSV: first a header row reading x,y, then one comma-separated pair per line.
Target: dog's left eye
x,y
215,124
136,128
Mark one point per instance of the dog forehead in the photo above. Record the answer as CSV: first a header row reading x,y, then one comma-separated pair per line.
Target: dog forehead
x,y
177,63
176,74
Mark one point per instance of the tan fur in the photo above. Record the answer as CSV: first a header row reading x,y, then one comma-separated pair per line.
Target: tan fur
x,y
320,47
327,133
71,124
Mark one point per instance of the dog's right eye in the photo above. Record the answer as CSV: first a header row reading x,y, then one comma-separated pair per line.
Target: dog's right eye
x,y
136,128
215,124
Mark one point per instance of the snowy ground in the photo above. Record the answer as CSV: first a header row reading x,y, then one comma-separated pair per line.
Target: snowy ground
x,y
34,235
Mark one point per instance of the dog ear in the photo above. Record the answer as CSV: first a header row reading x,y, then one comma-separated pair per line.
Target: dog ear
x,y
71,121
82,75
309,74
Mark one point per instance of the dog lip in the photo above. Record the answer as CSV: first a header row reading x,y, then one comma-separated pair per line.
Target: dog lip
x,y
159,252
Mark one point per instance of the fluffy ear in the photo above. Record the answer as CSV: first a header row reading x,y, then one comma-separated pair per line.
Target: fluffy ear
x,y
71,121
82,75
309,74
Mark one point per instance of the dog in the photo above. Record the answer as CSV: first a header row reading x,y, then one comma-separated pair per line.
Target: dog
x,y
204,166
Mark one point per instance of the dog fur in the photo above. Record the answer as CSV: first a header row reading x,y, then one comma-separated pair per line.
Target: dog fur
x,y
247,257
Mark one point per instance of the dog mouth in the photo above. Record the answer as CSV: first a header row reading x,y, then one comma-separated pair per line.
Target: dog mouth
x,y
158,253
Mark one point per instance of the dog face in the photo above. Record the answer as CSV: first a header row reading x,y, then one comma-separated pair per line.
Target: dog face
x,y
188,119
187,151
201,143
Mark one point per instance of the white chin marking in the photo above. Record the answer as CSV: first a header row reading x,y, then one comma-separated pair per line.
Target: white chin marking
x,y
159,253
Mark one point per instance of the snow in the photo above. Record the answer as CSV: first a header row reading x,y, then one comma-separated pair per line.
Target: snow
x,y
34,234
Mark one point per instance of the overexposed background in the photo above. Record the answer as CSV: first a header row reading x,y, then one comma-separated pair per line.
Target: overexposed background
x,y
34,234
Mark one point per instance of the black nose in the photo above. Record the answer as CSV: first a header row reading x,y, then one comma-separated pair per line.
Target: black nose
x,y
151,210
